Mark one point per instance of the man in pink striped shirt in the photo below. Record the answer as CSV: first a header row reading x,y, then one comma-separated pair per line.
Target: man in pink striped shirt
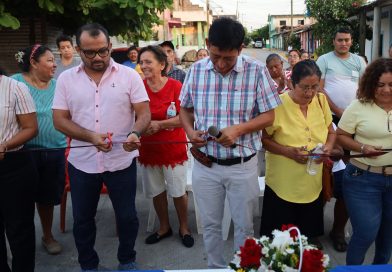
x,y
92,101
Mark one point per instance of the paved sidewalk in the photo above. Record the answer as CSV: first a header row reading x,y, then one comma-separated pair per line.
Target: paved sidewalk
x,y
168,254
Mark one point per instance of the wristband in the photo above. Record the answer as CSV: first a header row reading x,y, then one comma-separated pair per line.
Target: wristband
x,y
137,133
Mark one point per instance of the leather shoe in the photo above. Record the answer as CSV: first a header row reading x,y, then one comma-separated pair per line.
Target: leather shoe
x,y
187,239
156,237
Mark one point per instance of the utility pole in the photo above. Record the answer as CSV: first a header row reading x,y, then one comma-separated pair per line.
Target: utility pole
x,y
236,13
208,15
291,17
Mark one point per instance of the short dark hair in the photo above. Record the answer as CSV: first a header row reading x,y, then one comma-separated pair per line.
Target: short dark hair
x,y
272,57
131,48
168,44
342,30
226,34
158,53
63,38
304,69
25,55
369,80
2,72
93,29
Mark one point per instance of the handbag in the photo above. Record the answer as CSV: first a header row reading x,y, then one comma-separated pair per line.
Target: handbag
x,y
327,175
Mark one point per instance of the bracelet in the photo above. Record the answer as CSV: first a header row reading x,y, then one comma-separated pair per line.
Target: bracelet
x,y
137,133
362,148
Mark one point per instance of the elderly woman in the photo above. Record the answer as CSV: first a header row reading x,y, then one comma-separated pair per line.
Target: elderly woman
x,y
163,165
275,68
38,67
202,53
18,125
365,128
292,196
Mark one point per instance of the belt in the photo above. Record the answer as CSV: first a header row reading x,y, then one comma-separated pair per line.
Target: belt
x,y
385,170
228,162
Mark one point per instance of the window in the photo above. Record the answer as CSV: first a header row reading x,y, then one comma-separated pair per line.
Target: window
x,y
282,22
300,22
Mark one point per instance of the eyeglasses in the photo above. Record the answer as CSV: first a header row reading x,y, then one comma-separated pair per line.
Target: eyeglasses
x,y
90,54
389,122
314,88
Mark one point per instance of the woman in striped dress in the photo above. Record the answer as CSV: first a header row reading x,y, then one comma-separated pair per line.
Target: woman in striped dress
x,y
38,66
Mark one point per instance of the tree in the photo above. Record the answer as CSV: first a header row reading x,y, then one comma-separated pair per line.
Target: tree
x,y
132,19
331,14
260,34
294,41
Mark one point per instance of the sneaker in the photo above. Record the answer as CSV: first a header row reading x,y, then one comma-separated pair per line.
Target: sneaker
x,y
127,266
52,247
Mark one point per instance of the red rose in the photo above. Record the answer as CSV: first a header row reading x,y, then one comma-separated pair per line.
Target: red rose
x,y
293,233
250,254
312,261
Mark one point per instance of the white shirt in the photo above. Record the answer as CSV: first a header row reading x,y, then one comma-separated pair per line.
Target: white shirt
x,y
15,99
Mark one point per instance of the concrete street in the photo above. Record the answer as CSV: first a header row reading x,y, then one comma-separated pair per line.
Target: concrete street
x,y
169,253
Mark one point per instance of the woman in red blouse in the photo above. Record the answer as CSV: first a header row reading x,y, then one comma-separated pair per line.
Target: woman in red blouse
x,y
163,164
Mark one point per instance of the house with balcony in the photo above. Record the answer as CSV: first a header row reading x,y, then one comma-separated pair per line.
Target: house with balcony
x,y
185,24
280,28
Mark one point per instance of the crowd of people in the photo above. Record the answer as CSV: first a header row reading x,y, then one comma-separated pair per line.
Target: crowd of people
x,y
149,109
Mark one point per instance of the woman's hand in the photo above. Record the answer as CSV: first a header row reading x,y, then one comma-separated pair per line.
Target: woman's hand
x,y
368,149
3,149
297,154
153,128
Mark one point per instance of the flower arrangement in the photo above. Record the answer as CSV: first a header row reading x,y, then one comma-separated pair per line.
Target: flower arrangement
x,y
19,56
288,251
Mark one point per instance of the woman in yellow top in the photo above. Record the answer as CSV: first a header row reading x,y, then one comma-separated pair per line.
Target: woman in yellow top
x,y
292,195
367,181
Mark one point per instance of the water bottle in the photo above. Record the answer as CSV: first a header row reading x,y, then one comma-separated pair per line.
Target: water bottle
x,y
312,166
171,112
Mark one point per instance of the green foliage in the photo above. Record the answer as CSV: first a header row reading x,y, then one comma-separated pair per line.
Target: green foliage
x,y
260,34
132,19
294,41
331,14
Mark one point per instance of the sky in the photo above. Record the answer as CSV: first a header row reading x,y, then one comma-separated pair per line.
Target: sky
x,y
253,14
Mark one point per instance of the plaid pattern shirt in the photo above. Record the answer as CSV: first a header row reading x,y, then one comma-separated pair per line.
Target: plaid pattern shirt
x,y
177,74
223,101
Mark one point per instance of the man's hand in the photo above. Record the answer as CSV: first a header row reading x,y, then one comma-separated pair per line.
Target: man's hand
x,y
132,143
101,143
229,136
296,154
197,137
3,149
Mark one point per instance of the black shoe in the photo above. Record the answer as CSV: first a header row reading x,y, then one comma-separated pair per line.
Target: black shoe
x,y
187,239
155,237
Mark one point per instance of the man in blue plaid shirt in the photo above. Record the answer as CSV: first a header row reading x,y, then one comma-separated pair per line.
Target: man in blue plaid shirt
x,y
236,95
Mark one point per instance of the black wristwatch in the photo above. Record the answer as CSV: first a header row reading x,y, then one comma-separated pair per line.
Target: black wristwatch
x,y
137,133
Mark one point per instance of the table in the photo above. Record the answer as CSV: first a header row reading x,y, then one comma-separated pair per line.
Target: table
x,y
363,268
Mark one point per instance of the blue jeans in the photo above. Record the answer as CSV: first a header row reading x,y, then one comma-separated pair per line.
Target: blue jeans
x,y
368,198
85,192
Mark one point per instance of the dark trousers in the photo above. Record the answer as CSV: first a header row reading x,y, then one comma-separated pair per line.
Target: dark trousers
x,y
85,191
17,212
308,217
